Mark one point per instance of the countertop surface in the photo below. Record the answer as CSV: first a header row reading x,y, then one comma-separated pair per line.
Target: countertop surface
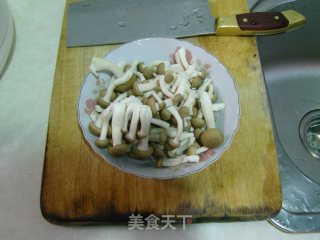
x,y
25,95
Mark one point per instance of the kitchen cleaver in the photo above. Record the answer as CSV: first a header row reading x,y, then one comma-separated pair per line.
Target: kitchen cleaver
x,y
97,22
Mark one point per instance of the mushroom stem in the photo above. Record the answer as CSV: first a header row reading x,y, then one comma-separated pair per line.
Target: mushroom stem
x,y
163,87
140,88
124,78
101,64
117,122
121,97
178,96
185,144
175,141
160,123
207,112
175,85
201,150
218,107
179,160
182,57
204,85
131,135
106,116
145,120
129,111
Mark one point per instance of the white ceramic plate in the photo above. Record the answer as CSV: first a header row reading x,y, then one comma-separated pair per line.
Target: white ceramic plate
x,y
148,50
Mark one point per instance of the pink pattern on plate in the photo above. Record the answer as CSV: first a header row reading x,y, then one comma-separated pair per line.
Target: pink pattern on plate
x,y
204,156
90,105
188,56
207,66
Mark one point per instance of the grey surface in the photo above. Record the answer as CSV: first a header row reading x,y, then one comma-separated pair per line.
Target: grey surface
x,y
291,66
99,22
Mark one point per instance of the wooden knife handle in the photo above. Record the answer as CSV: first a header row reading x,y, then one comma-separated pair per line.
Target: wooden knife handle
x,y
259,23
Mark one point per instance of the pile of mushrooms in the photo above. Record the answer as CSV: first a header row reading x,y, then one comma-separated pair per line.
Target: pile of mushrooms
x,y
158,109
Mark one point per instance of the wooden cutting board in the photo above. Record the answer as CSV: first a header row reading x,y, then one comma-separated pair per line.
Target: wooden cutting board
x,y
79,187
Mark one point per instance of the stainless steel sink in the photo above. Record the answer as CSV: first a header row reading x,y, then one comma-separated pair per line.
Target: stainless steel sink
x,y
291,67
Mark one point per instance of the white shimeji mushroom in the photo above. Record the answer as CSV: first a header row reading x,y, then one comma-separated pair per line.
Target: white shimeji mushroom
x,y
174,143
128,114
145,121
118,148
131,135
105,100
101,64
212,137
143,149
163,87
138,89
170,162
186,108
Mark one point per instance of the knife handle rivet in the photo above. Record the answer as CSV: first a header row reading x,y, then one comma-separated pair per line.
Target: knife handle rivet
x,y
276,18
245,20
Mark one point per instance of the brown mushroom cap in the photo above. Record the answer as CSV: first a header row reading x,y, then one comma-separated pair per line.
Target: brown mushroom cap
x,y
163,137
157,152
135,90
177,99
212,138
94,129
158,162
162,105
135,152
102,92
118,150
168,78
172,144
126,86
140,66
129,139
196,82
151,102
197,122
184,111
126,67
102,103
148,72
191,150
102,143
203,75
165,114
160,69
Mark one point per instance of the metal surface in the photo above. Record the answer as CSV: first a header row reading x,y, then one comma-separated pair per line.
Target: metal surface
x,y
97,22
291,66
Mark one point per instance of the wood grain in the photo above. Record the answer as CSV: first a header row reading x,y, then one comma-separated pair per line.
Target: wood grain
x,y
78,187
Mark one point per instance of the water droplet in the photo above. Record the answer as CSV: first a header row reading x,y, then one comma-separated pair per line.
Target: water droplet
x,y
200,19
185,21
173,27
122,24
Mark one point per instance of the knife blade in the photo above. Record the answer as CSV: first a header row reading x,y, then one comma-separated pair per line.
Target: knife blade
x,y
98,22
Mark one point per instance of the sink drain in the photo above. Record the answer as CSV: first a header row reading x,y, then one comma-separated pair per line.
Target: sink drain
x,y
310,133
